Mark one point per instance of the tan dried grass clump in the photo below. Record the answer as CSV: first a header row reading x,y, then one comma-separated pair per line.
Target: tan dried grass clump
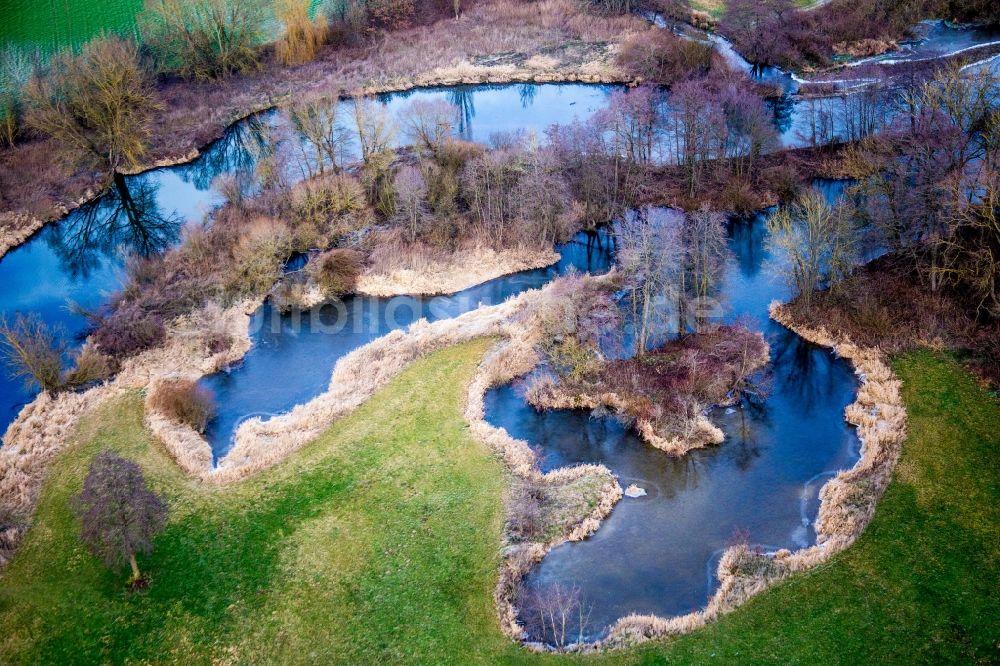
x,y
449,273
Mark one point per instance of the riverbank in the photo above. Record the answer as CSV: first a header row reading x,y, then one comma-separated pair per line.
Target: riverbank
x,y
383,520
494,42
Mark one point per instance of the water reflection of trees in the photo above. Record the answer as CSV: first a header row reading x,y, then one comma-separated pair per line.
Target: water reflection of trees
x,y
126,220
802,371
746,240
238,151
527,93
462,97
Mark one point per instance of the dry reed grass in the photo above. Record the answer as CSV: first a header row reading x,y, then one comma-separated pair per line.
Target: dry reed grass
x,y
449,273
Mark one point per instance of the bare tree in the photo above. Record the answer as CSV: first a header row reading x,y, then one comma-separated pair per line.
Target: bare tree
x,y
411,191
820,242
97,104
650,256
119,514
971,250
705,251
428,124
204,39
318,123
376,132
33,351
557,614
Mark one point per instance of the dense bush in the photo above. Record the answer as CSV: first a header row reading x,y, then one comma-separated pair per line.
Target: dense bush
x,y
184,401
658,56
128,331
257,258
336,271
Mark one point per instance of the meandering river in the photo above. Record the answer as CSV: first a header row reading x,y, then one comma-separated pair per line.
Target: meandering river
x,y
653,554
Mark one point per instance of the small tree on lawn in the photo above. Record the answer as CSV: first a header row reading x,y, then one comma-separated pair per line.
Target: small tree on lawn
x,y
119,514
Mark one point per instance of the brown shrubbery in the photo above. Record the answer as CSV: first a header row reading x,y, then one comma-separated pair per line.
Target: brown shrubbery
x,y
184,401
336,271
658,56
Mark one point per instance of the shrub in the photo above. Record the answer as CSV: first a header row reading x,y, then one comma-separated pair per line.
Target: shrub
x,y
303,37
128,331
257,258
336,271
90,365
332,205
658,56
184,401
33,351
97,105
204,39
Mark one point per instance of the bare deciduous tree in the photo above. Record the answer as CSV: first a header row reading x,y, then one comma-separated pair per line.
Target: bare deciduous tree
x,y
411,191
317,121
704,248
820,242
649,253
119,515
557,614
428,124
33,351
376,132
97,104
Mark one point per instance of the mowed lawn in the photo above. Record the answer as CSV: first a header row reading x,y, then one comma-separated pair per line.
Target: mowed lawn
x,y
379,543
50,24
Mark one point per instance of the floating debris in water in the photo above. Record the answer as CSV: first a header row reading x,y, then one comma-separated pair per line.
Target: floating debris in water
x,y
635,491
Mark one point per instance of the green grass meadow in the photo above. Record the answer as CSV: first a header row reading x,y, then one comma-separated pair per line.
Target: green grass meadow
x,y
51,24
379,543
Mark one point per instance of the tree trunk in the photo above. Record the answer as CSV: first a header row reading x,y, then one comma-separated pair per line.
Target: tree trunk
x,y
135,567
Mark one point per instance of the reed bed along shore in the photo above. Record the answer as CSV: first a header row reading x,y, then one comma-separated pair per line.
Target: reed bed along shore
x,y
453,273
